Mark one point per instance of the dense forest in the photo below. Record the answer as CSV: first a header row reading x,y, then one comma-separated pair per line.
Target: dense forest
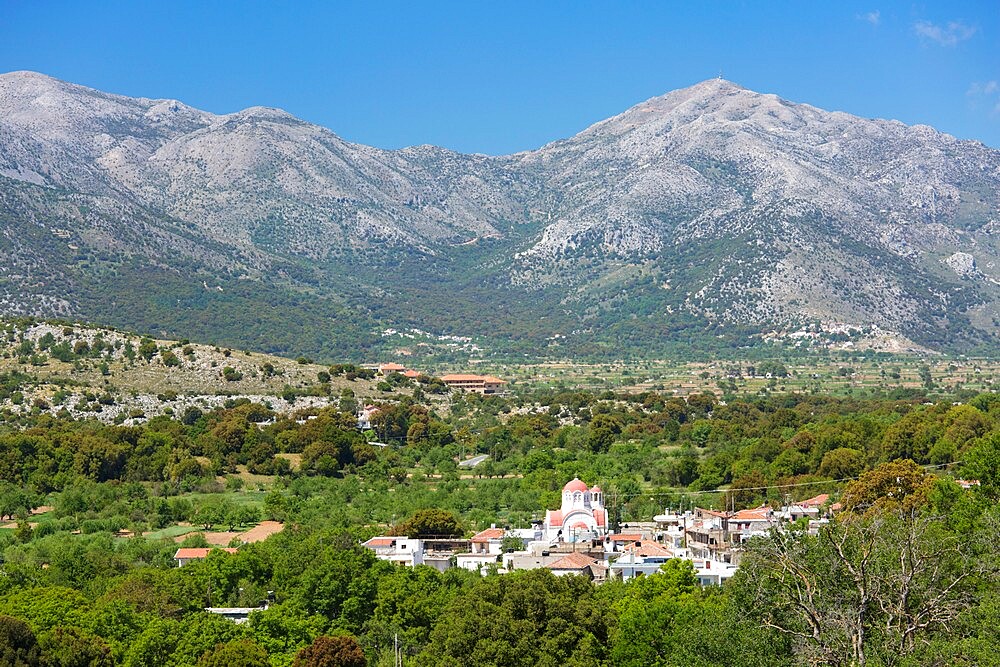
x,y
906,574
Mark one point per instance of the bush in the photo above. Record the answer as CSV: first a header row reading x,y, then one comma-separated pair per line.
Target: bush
x,y
230,374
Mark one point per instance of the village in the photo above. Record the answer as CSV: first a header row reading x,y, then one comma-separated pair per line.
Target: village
x,y
577,539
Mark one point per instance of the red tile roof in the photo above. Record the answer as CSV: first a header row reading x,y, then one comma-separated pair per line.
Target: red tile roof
x,y
573,561
189,553
379,542
755,514
391,367
625,537
815,501
650,549
488,534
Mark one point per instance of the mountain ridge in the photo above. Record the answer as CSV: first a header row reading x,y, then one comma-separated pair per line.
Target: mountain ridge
x,y
713,202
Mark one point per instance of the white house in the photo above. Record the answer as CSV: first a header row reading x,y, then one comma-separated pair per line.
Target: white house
x,y
438,553
712,572
487,547
642,558
397,549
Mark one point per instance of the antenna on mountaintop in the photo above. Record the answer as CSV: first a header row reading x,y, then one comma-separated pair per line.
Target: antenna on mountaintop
x,y
720,75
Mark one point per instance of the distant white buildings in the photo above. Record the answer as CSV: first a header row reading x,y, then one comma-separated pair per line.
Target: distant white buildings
x,y
575,539
410,551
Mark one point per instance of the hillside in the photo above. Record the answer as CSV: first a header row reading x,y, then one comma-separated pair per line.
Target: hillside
x,y
119,377
698,221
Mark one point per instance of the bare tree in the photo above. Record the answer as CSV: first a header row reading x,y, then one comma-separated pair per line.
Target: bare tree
x,y
866,587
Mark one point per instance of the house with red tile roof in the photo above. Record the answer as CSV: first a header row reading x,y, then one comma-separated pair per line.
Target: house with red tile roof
x,y
187,554
386,369
645,557
480,384
580,564
486,550
815,501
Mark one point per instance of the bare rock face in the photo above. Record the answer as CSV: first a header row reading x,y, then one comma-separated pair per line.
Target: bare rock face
x,y
963,264
254,173
727,205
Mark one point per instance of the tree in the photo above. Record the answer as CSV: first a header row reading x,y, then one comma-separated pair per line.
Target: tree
x,y
430,523
147,348
342,651
13,501
898,485
522,619
69,647
842,463
746,490
230,374
18,646
982,463
603,431
239,653
874,587
648,610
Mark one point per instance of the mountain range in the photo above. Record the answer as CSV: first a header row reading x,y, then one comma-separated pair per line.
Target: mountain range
x,y
708,219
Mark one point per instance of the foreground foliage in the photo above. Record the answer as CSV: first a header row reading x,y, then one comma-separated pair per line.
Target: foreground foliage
x,y
904,576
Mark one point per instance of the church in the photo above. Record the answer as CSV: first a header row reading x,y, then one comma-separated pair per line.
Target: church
x,y
581,518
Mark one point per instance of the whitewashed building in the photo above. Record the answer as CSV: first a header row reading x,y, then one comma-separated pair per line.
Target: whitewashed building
x,y
581,518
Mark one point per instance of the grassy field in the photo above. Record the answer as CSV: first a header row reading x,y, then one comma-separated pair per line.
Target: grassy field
x,y
830,375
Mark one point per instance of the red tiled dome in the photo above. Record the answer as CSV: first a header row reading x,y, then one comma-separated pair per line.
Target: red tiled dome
x,y
575,485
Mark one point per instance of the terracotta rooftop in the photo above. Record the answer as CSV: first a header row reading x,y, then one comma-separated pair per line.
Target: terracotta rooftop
x,y
380,542
815,501
650,549
755,514
488,534
188,553
391,367
625,537
573,561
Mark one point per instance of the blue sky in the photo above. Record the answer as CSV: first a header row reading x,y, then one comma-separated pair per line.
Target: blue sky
x,y
502,77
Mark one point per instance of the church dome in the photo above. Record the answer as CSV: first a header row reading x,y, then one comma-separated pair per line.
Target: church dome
x,y
596,489
575,485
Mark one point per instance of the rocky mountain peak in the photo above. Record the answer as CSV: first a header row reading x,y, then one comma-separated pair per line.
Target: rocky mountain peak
x,y
732,206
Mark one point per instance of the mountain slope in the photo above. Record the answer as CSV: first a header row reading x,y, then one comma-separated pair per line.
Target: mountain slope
x,y
709,213
811,215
